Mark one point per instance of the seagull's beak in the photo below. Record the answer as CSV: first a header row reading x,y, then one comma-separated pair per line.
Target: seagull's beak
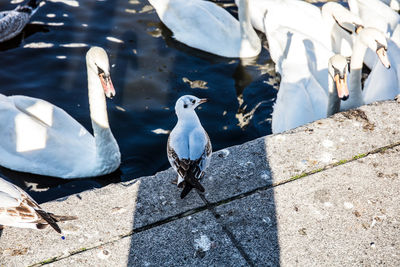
x,y
341,86
203,100
108,87
382,54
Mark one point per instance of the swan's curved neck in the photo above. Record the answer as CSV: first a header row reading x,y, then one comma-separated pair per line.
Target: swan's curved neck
x,y
105,141
353,5
327,16
333,98
356,64
247,32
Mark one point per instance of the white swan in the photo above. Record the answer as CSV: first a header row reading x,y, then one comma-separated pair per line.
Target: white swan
x,y
376,14
393,4
18,209
320,49
378,82
208,27
38,137
290,11
12,22
320,25
302,98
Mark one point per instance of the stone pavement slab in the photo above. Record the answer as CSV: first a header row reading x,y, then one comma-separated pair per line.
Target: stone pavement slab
x,y
277,158
104,215
345,216
341,137
195,240
236,170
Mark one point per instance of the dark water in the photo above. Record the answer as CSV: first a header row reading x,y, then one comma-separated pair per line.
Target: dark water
x,y
149,73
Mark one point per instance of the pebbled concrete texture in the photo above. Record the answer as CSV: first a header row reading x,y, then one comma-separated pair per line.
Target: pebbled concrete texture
x,y
348,215
198,240
104,215
262,206
342,137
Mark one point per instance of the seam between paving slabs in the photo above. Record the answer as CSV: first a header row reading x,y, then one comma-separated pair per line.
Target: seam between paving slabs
x,y
211,205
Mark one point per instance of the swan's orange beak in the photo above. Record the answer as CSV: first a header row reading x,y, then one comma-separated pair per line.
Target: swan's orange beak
x,y
341,86
108,87
382,54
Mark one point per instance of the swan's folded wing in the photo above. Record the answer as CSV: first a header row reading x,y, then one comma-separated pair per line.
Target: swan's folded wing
x,y
39,137
46,113
200,24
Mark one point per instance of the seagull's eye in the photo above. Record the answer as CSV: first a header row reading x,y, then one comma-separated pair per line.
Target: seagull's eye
x,y
184,106
193,101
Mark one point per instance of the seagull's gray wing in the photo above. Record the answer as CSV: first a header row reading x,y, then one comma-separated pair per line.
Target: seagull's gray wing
x,y
18,208
180,165
12,23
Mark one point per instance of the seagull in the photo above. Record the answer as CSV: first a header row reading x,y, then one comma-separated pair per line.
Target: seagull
x,y
18,209
12,22
189,147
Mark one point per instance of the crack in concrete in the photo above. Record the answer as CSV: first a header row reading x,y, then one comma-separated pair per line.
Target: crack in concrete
x,y
212,205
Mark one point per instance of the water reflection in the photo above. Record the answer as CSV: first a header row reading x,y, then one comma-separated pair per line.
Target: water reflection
x,y
150,71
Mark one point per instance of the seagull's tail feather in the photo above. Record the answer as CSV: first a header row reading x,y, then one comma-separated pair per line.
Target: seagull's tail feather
x,y
47,217
52,219
186,189
191,182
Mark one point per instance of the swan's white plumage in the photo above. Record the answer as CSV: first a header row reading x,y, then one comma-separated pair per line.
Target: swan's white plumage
x,y
383,83
208,27
380,83
307,19
376,14
303,91
41,138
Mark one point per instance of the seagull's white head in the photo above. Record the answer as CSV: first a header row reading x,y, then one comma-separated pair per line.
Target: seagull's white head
x,y
97,61
187,104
